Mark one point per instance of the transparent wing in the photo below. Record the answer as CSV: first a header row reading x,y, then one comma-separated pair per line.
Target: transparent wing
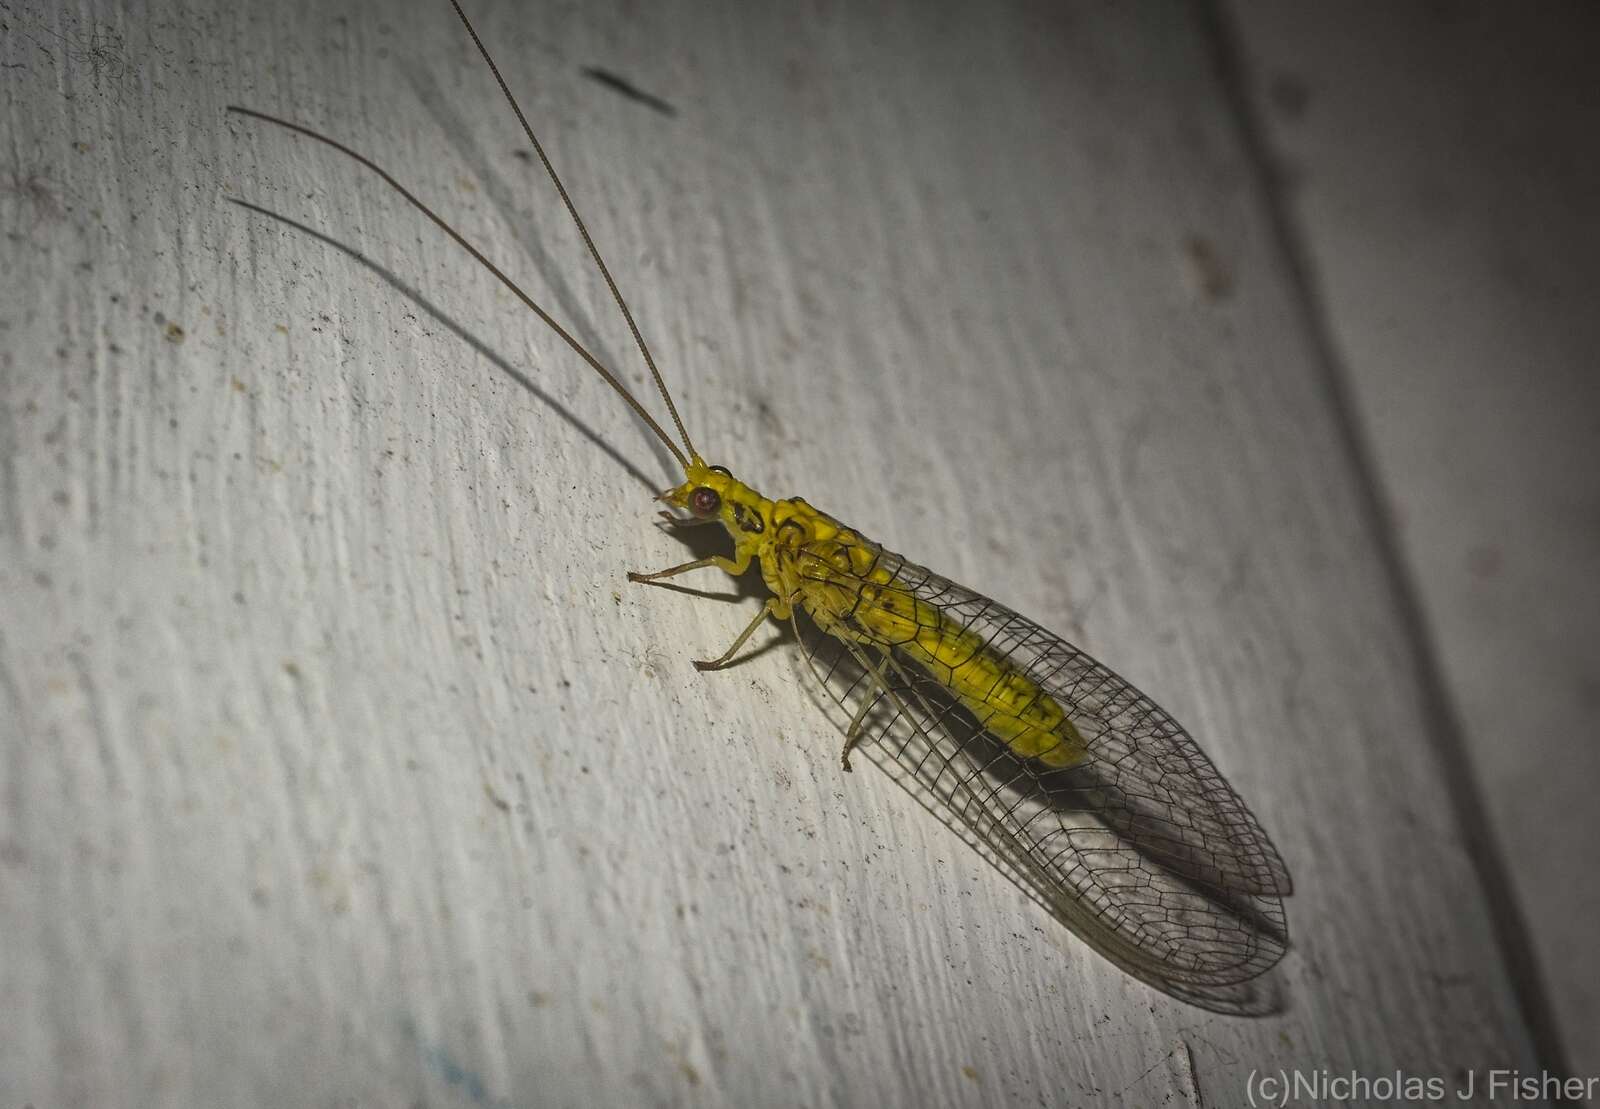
x,y
1142,848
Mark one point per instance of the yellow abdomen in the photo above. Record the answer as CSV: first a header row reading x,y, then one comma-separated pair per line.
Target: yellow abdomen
x,y
849,594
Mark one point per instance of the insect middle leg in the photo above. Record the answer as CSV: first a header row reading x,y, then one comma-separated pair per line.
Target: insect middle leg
x,y
772,606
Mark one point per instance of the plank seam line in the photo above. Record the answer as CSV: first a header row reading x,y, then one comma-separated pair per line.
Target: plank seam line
x,y
1442,723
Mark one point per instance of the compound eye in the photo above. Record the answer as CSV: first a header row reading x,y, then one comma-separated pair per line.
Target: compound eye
x,y
704,502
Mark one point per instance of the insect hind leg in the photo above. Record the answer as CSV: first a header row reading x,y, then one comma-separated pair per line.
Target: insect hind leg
x,y
880,683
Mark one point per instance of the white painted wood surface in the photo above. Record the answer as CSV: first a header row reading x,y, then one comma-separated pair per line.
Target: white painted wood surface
x,y
1442,169
340,764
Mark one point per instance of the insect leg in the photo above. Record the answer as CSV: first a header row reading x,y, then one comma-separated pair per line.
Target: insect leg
x,y
873,673
853,734
674,520
727,656
729,565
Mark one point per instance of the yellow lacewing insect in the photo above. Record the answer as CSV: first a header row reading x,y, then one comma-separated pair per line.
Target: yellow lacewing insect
x,y
1075,785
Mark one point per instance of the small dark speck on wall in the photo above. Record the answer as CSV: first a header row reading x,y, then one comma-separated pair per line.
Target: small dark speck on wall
x,y
627,88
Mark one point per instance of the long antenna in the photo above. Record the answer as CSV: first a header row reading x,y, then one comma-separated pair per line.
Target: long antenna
x,y
477,254
572,211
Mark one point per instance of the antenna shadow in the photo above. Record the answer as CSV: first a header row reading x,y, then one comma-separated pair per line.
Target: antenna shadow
x,y
455,328
523,224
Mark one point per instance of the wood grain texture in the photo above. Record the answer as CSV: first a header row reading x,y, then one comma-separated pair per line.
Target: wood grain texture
x,y
1442,171
341,764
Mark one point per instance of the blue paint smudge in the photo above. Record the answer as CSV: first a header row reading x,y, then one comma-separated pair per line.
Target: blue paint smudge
x,y
442,1064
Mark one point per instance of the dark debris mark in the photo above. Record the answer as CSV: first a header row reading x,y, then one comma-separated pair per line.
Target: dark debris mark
x,y
103,49
1208,271
38,190
627,88
105,52
1485,560
1290,95
495,799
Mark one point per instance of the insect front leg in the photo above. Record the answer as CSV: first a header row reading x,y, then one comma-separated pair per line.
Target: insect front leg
x,y
734,566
